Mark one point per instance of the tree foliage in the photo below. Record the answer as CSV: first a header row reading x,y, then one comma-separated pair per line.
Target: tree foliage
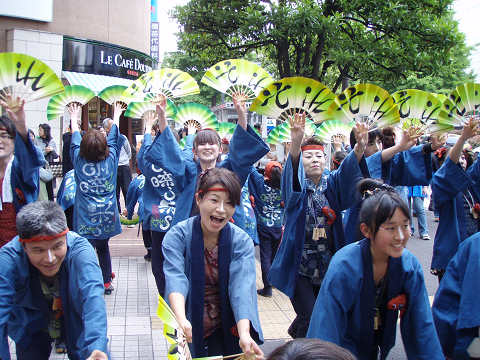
x,y
393,43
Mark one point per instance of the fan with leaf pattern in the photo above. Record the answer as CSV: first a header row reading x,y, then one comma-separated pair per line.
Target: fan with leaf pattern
x,y
72,94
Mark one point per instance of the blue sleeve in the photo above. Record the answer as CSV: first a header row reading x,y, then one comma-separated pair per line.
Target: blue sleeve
x,y
342,183
115,141
290,194
242,283
474,171
411,167
132,197
448,181
75,146
28,159
7,295
417,327
187,151
174,250
246,148
165,153
90,291
255,181
146,144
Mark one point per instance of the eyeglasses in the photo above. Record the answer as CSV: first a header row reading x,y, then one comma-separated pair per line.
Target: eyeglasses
x,y
394,230
5,136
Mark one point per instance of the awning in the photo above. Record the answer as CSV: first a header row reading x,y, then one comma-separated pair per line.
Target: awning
x,y
96,83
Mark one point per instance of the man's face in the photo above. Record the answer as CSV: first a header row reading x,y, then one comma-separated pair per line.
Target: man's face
x,y
48,255
7,144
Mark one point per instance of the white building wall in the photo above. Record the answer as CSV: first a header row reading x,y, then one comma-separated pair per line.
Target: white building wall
x,y
48,48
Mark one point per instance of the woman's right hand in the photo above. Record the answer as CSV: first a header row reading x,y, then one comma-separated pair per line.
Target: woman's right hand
x,y
186,327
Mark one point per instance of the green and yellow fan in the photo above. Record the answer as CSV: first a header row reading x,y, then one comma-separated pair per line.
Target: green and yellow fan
x,y
285,97
367,103
282,132
195,115
418,110
138,110
238,78
226,129
182,143
272,137
440,97
163,83
330,128
462,103
72,94
27,78
114,93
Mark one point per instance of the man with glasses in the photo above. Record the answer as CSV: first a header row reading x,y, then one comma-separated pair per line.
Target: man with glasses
x,y
20,162
51,289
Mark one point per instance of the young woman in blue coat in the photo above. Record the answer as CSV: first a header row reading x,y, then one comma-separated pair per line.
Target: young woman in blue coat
x,y
95,160
166,166
371,282
210,273
313,221
457,198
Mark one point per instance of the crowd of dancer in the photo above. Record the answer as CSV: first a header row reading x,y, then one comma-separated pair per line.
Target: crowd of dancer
x,y
334,241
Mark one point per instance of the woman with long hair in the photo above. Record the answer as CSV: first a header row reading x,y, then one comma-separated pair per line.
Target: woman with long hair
x,y
47,145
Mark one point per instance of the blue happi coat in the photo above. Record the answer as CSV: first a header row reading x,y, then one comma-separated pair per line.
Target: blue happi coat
x,y
160,190
340,193
66,191
134,195
23,308
345,307
246,147
456,309
406,168
27,161
240,276
448,185
268,201
250,226
95,210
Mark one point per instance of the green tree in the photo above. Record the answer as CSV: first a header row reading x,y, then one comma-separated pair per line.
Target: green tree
x,y
389,42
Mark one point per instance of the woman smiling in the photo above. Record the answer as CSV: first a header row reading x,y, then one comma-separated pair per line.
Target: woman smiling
x,y
210,273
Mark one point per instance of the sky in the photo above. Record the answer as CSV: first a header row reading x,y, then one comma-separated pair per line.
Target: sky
x,y
467,13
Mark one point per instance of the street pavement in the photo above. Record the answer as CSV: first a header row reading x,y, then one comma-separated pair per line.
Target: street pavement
x,y
135,332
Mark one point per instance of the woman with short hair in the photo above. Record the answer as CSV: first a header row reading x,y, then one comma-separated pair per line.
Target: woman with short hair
x,y
95,161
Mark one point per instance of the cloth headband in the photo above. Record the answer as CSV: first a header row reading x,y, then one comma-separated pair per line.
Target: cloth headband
x,y
44,237
312,147
213,189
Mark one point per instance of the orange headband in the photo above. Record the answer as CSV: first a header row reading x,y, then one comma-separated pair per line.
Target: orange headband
x,y
312,147
44,237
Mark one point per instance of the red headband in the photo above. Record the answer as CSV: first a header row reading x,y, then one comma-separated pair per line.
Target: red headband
x,y
44,237
213,189
312,147
268,168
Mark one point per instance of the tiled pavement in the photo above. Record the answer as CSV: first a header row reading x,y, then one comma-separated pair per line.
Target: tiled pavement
x,y
135,332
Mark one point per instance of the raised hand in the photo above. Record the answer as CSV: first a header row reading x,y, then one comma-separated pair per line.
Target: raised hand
x,y
75,111
118,108
470,129
161,113
337,142
407,141
438,141
241,108
149,120
16,114
361,136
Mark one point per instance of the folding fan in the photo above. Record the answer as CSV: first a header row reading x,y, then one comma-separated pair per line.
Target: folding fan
x,y
226,129
462,104
26,77
182,143
273,138
331,128
365,102
418,110
282,131
196,115
72,94
237,78
283,98
440,97
114,93
138,110
159,84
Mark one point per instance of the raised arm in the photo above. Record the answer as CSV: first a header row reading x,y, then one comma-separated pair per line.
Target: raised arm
x,y
241,109
297,131
18,117
469,130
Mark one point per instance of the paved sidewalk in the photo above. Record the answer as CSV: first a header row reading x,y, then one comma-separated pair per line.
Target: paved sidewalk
x,y
135,332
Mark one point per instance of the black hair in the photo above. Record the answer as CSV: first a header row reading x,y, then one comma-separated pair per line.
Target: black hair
x,y
372,135
388,137
275,178
224,177
338,157
310,349
8,125
46,131
379,203
207,136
